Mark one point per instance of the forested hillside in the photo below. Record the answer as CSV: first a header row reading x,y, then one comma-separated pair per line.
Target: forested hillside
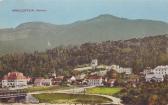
x,y
135,53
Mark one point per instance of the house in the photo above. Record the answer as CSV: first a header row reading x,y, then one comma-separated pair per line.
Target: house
x,y
72,79
111,82
133,78
103,67
80,76
161,70
42,82
38,81
119,69
158,70
95,80
14,80
57,80
154,77
100,73
157,74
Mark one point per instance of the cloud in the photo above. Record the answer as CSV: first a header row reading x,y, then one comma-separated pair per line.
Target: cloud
x,y
1,0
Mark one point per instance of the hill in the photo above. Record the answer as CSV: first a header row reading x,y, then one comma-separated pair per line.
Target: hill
x,y
31,36
137,53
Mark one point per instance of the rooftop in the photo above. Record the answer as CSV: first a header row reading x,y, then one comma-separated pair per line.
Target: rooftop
x,y
14,76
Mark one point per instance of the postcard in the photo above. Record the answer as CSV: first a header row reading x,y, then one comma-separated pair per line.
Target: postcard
x,y
84,52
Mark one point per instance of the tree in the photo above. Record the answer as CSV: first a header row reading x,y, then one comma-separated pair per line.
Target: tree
x,y
153,100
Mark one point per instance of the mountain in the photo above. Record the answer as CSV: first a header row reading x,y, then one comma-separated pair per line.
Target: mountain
x,y
40,36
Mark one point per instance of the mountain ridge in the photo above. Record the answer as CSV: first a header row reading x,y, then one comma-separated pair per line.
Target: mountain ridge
x,y
31,36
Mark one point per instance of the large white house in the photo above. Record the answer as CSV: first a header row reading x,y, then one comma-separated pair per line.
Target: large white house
x,y
163,70
14,80
156,74
119,69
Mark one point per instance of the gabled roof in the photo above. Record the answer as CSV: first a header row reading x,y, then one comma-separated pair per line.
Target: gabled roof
x,y
14,76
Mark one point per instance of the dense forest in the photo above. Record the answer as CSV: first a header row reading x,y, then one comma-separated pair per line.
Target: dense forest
x,y
137,53
146,94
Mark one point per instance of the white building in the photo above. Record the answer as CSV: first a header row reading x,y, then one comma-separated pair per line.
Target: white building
x,y
94,63
154,77
119,69
81,76
161,70
95,81
100,73
157,74
42,82
14,80
72,79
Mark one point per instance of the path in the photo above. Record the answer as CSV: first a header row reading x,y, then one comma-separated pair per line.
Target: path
x,y
79,90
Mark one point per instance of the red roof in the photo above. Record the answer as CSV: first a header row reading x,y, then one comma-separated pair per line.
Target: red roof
x,y
14,76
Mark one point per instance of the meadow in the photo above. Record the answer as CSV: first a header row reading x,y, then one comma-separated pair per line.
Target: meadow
x,y
104,90
61,98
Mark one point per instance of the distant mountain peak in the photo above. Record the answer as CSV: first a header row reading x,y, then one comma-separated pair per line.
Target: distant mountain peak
x,y
107,17
33,24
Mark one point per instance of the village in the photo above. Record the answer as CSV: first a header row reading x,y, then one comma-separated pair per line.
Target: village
x,y
93,75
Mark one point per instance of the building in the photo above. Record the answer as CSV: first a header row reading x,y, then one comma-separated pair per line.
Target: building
x,y
94,63
80,76
14,80
95,80
163,70
157,74
42,82
103,67
133,78
154,77
111,82
57,80
100,73
72,79
119,69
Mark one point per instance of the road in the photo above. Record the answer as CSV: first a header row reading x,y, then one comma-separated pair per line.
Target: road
x,y
80,90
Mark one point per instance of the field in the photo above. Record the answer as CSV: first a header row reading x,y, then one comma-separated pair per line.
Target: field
x,y
60,98
103,90
45,88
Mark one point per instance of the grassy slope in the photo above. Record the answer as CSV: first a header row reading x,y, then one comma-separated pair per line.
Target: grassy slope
x,y
103,90
69,98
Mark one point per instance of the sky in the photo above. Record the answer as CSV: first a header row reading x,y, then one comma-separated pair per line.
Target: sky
x,y
15,12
